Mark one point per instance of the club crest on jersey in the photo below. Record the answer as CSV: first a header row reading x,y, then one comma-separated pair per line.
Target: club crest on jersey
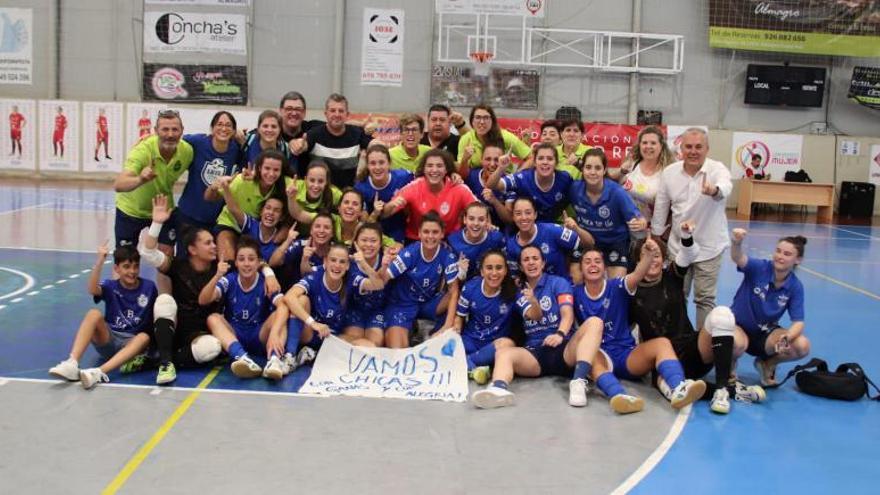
x,y
604,211
558,197
782,300
545,248
613,256
546,303
143,300
503,309
212,170
444,208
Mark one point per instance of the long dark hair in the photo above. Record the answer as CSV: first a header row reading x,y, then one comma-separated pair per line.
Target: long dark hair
x,y
508,286
798,241
494,134
364,172
326,199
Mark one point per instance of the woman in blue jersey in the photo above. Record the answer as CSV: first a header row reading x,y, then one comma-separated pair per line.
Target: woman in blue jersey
x,y
769,289
476,180
484,312
214,156
544,184
248,318
607,300
424,283
364,322
378,183
545,302
603,208
299,257
267,136
475,238
555,242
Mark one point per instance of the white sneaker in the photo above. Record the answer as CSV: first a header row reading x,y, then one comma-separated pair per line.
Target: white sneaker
x,y
750,393
304,356
91,377
274,370
767,372
492,397
687,392
626,404
720,402
245,367
66,370
577,392
288,363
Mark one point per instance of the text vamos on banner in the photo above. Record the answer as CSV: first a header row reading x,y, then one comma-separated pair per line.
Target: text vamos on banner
x,y
433,370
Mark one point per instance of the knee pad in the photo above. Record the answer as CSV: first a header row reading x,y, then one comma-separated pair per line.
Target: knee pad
x,y
205,348
720,322
165,307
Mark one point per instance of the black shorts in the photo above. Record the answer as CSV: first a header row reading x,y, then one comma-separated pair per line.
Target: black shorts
x,y
758,344
184,335
688,352
551,360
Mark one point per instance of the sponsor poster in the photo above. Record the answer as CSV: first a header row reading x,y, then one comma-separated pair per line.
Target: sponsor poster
x,y
186,32
433,370
102,139
59,136
772,154
382,48
140,120
226,84
673,137
16,46
456,86
527,8
864,88
874,165
831,27
18,131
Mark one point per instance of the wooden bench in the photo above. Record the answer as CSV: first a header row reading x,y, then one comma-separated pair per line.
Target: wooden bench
x,y
786,193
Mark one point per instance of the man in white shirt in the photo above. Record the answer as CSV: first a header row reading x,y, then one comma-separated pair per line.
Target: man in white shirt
x,y
696,189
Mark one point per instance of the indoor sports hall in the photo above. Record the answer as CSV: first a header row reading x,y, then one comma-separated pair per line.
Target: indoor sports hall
x,y
709,68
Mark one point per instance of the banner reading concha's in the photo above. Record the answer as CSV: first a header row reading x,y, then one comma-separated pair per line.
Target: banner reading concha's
x,y
433,370
829,27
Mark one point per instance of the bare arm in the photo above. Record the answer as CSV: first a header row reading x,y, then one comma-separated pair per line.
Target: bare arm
x,y
209,292
649,249
453,290
736,251
94,286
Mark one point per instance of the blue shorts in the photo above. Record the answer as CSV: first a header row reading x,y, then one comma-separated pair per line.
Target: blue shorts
x,y
364,318
404,314
616,357
615,254
127,229
758,343
117,341
472,343
552,360
249,338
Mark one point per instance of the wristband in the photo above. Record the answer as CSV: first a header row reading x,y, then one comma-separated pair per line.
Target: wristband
x,y
459,126
268,272
310,321
155,229
560,333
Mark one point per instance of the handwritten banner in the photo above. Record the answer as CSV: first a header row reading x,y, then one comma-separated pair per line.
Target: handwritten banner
x,y
433,370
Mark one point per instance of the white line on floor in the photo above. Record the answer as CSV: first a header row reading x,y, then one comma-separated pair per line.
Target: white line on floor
x,y
656,456
17,299
31,207
28,282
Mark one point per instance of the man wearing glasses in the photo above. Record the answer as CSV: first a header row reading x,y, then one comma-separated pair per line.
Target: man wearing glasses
x,y
294,124
151,169
409,152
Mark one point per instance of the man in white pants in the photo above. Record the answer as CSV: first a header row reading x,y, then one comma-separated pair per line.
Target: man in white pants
x,y
696,188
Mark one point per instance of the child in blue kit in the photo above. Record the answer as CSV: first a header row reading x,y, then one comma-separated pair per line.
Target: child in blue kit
x,y
123,331
248,317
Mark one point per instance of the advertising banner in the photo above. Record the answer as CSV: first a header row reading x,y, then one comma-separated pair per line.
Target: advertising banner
x,y
226,84
186,32
16,46
864,88
527,8
382,48
770,155
59,136
19,125
102,139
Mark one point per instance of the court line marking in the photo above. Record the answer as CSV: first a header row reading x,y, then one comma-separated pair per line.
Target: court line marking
x,y
28,282
25,208
659,453
841,283
139,457
854,233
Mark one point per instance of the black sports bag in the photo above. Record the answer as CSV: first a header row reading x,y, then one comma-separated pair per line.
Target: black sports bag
x,y
847,382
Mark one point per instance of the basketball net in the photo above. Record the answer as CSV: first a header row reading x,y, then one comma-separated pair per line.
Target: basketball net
x,y
481,62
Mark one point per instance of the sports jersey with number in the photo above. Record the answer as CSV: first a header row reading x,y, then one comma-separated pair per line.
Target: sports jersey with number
x,y
552,293
394,225
550,203
606,218
759,304
554,241
246,308
326,305
207,166
487,317
416,279
612,307
460,245
128,310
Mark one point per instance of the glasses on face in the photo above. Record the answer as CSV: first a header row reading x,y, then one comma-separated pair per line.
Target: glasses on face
x,y
169,114
410,130
480,118
293,109
224,125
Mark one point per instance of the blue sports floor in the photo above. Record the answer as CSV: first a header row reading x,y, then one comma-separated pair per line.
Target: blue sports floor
x,y
793,443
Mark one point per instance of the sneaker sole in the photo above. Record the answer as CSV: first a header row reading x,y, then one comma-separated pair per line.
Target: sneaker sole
x,y
273,374
577,404
242,370
60,375
165,381
720,410
486,400
624,406
696,390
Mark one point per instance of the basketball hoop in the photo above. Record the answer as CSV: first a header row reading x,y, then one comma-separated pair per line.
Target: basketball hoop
x,y
481,62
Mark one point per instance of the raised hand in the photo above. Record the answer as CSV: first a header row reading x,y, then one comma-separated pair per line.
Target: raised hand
x,y
222,268
292,233
161,214
456,118
568,222
298,146
378,204
463,263
687,227
650,247
488,195
637,224
104,250
249,172
469,151
309,250
709,189
738,235
147,174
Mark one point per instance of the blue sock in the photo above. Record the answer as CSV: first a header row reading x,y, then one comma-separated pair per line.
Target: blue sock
x,y
294,332
672,372
485,356
236,350
609,385
470,362
500,384
582,370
